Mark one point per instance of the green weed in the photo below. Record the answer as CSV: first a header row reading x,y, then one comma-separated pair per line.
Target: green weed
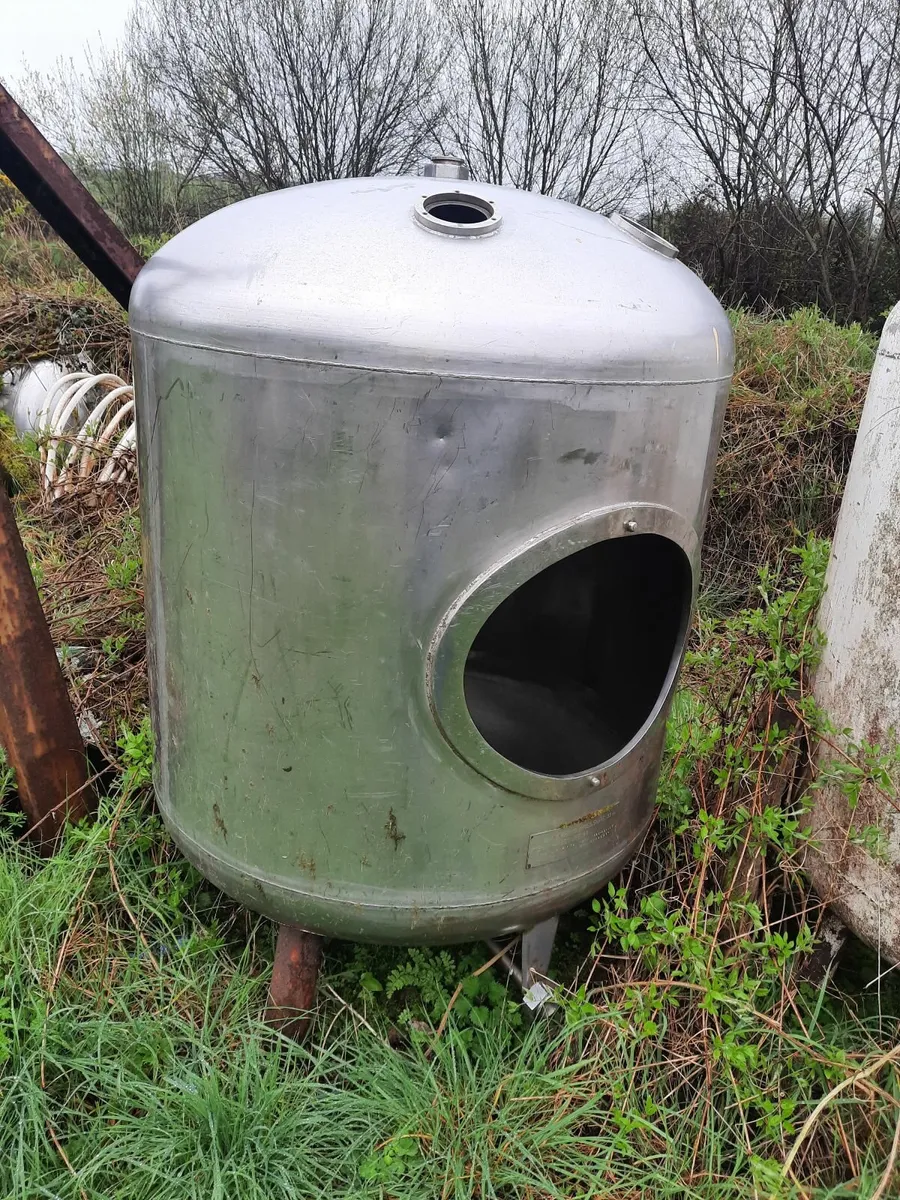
x,y
7,777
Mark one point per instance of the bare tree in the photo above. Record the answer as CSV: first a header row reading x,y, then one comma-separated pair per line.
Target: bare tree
x,y
276,92
792,127
715,84
873,28
767,131
817,180
543,95
111,125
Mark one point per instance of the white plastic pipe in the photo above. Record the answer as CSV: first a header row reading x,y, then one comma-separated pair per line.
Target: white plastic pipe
x,y
23,392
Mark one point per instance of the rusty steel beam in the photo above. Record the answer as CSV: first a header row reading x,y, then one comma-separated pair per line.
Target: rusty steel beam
x,y
64,202
295,975
38,728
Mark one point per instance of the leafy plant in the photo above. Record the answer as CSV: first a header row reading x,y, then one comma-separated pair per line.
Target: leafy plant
x,y
136,749
124,568
390,1162
427,980
122,572
7,777
112,646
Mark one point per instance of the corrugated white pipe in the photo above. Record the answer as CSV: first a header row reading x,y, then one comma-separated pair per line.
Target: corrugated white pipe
x,y
92,415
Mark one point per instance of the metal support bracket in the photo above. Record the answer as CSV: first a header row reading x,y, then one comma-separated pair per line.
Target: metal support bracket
x,y
536,949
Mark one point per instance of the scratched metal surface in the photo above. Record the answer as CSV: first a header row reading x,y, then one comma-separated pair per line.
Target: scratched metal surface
x,y
329,464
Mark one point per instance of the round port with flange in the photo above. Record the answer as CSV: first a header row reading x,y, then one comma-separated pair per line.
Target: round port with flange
x,y
459,214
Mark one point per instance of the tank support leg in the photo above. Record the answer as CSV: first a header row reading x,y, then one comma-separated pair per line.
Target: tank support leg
x,y
295,975
537,948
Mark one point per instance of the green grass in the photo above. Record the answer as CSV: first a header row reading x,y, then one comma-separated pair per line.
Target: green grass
x,y
132,1078
803,364
685,1057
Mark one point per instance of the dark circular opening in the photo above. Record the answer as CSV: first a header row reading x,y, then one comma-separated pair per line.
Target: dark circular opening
x,y
565,672
460,212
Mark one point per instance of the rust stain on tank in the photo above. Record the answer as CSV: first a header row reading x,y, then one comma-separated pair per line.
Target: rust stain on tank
x,y
307,863
594,815
220,824
393,830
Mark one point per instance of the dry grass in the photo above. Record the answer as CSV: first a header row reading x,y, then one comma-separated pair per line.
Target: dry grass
x,y
85,552
50,304
795,403
68,329
32,258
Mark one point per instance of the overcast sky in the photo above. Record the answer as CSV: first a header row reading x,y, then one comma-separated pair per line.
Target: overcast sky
x,y
37,32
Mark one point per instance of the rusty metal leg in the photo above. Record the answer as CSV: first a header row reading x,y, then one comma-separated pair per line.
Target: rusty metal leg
x,y
292,995
38,729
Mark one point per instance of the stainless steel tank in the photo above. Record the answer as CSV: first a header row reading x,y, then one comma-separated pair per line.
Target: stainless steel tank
x,y
425,465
